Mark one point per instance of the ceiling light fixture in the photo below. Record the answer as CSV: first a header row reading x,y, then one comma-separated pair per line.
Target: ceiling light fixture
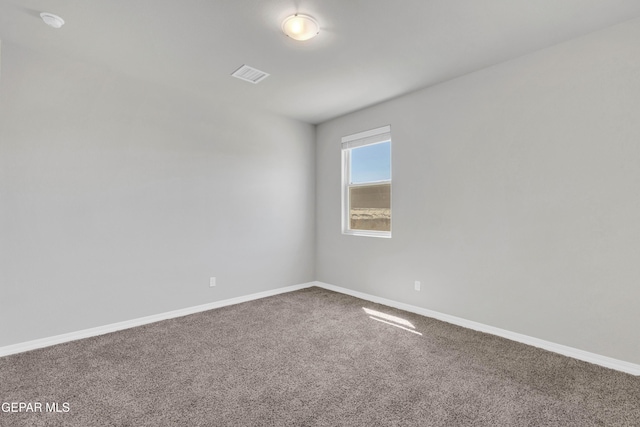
x,y
52,20
300,27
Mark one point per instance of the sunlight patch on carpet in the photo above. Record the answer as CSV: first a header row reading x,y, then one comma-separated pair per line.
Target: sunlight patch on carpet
x,y
388,319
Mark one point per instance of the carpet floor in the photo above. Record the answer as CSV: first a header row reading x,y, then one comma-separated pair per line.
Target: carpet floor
x,y
310,358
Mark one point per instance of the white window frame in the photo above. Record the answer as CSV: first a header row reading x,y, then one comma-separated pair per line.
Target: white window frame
x,y
361,139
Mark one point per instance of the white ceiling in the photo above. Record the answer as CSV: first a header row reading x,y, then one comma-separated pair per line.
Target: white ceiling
x,y
367,51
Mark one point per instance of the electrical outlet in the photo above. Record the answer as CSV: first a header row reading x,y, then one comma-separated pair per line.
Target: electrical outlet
x,y
416,285
212,282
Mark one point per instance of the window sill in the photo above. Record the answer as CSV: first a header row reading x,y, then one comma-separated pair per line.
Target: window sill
x,y
364,233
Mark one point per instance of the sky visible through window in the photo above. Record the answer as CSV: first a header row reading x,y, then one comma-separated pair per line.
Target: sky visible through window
x,y
371,163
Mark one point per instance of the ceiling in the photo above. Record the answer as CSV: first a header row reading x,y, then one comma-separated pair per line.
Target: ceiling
x,y
367,51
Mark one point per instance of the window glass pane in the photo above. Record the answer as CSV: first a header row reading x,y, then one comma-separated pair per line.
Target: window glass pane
x,y
371,163
370,207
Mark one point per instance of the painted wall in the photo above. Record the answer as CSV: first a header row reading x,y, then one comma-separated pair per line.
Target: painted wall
x,y
119,199
516,198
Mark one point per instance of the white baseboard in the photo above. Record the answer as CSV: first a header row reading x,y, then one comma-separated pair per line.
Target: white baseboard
x,y
586,356
607,362
101,330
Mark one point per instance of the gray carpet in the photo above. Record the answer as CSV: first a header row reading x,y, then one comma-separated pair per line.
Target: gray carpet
x,y
311,358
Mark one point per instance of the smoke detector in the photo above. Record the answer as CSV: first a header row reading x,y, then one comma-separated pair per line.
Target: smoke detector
x,y
52,20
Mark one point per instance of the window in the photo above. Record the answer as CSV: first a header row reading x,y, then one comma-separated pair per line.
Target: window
x,y
366,183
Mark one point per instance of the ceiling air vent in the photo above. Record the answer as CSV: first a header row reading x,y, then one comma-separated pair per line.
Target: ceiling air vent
x,y
250,74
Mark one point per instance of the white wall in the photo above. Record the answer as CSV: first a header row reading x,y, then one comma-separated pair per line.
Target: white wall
x,y
118,199
516,197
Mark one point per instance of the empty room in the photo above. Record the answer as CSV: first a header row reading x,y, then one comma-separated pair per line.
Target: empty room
x,y
319,213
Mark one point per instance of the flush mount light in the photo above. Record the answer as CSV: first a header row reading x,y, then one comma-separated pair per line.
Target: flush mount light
x,y
300,27
52,20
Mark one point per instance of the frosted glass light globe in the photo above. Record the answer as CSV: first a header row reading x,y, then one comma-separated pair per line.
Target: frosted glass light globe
x,y
300,27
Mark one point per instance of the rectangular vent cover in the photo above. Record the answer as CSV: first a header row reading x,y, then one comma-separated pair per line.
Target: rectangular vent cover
x,y
250,74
